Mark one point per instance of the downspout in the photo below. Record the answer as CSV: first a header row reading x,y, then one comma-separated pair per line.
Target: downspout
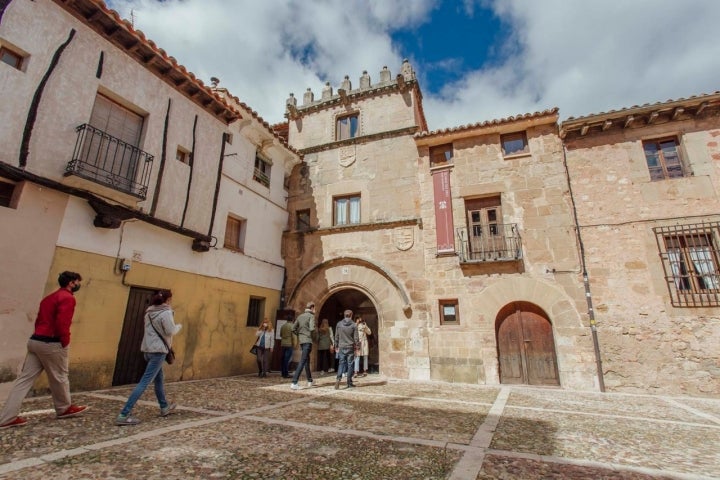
x,y
586,282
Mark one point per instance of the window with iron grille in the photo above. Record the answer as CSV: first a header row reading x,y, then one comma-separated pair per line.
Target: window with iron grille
x,y
262,171
663,159
689,255
256,309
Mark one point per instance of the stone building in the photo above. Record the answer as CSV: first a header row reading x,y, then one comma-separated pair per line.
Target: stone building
x,y
120,164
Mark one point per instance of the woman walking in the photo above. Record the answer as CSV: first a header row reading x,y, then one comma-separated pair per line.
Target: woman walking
x,y
159,329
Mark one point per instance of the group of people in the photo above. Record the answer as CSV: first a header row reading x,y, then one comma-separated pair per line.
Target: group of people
x,y
47,350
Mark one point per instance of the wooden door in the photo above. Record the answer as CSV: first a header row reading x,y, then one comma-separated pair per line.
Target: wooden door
x,y
526,349
130,362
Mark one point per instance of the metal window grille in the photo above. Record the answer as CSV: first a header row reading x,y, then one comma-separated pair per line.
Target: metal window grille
x,y
689,255
255,311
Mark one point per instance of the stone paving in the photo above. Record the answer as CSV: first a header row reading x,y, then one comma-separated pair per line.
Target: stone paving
x,y
247,427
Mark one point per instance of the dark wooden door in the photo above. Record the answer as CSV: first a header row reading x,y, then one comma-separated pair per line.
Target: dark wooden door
x,y
526,350
130,363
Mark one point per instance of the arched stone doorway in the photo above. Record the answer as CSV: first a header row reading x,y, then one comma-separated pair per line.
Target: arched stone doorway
x,y
360,304
526,346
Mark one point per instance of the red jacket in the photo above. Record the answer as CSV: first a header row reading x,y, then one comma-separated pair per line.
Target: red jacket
x,y
55,315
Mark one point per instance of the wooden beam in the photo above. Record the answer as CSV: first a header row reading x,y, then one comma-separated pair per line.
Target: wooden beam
x,y
584,129
606,124
653,116
628,121
563,133
702,107
677,112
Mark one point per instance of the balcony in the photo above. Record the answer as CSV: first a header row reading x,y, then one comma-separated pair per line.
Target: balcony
x,y
260,177
109,161
489,243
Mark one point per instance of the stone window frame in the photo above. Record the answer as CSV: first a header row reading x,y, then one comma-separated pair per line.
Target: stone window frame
x,y
349,197
340,132
444,317
507,138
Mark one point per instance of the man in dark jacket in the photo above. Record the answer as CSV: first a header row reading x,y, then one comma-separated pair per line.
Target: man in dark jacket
x,y
347,342
304,328
48,350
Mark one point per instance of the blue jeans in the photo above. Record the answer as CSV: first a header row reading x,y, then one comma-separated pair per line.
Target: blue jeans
x,y
153,373
345,364
287,353
304,363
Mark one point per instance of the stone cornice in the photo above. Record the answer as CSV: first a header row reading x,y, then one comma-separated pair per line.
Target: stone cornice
x,y
359,140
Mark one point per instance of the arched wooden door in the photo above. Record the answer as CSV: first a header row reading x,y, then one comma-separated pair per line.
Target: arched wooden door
x,y
526,348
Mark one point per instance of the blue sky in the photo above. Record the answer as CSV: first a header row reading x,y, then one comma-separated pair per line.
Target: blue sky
x,y
476,60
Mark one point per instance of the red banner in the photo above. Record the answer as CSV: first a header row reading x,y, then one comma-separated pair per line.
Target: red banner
x,y
443,211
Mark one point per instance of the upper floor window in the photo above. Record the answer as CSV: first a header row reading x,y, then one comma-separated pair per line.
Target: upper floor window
x,y
256,311
302,220
262,171
346,210
690,260
6,194
235,234
182,155
663,159
514,143
441,154
11,58
346,127
449,314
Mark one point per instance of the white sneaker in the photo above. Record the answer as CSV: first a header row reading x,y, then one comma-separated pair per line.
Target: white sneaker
x,y
310,384
295,386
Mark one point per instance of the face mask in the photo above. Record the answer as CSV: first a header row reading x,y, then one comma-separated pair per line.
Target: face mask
x,y
75,288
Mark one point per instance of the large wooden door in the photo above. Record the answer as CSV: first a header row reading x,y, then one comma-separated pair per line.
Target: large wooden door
x,y
526,349
130,362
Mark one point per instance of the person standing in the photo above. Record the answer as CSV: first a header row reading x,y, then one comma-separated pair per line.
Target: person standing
x,y
288,342
160,327
47,350
364,350
265,341
346,342
326,346
304,328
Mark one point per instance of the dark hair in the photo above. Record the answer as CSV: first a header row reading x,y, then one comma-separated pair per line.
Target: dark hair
x,y
161,296
66,277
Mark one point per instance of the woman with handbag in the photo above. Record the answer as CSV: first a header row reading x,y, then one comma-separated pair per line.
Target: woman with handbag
x,y
160,327
264,344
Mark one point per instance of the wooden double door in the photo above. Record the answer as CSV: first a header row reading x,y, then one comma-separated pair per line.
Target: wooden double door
x,y
526,348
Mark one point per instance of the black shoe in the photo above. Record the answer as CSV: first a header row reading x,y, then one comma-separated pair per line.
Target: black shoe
x,y
351,385
264,375
259,374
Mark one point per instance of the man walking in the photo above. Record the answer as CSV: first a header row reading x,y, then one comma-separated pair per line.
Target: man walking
x,y
287,345
347,342
304,328
48,350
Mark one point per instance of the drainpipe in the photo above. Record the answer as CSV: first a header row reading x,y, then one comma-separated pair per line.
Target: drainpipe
x,y
586,281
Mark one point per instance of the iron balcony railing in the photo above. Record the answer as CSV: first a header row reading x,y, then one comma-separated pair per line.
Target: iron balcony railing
x,y
260,177
109,161
489,243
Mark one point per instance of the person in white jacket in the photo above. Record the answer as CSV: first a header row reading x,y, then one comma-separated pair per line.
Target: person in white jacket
x,y
364,350
160,327
265,341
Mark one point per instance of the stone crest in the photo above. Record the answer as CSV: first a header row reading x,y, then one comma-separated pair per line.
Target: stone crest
x,y
346,155
404,238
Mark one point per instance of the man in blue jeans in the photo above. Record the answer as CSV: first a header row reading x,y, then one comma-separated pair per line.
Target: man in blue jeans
x,y
304,328
347,342
287,344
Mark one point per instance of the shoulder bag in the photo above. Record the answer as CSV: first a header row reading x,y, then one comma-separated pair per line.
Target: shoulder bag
x,y
170,355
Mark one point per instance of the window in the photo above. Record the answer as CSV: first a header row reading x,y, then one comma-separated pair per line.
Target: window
x,y
449,313
235,234
690,261
441,155
346,210
13,59
514,143
302,220
182,155
256,311
6,194
488,239
346,127
663,159
262,171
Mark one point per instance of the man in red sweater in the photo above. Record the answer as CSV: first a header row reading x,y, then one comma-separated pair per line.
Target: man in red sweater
x,y
48,350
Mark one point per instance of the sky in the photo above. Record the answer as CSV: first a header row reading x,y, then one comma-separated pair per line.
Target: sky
x,y
475,60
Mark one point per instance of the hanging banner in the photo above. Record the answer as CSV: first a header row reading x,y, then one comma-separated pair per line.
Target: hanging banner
x,y
443,211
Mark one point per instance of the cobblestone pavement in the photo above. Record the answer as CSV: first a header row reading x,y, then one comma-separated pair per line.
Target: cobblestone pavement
x,y
248,427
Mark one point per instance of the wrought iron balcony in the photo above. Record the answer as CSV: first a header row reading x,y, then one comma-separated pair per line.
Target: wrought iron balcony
x,y
109,161
260,177
489,243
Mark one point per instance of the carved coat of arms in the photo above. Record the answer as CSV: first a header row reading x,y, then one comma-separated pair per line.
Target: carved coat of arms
x,y
346,155
404,238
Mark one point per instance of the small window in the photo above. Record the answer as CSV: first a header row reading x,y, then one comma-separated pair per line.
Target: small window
x,y
449,313
514,143
690,260
235,234
346,210
441,155
262,171
256,311
6,194
663,159
347,127
182,155
11,58
302,220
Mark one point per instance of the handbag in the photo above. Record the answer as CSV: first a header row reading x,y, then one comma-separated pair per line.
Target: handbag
x,y
170,355
254,349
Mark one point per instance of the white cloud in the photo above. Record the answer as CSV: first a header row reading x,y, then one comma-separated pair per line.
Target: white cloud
x,y
583,56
